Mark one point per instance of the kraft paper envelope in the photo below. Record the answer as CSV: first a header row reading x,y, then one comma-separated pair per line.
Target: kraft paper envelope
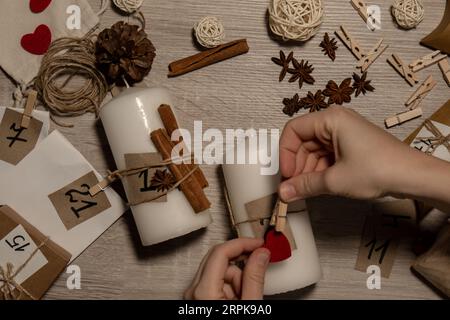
x,y
39,183
42,116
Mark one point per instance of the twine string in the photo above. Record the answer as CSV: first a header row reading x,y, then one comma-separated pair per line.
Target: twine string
x,y
438,139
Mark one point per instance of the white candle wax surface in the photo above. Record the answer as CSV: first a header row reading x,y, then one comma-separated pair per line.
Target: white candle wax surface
x,y
245,184
128,120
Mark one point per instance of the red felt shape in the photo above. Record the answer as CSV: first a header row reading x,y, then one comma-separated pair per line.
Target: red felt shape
x,y
278,245
37,6
37,42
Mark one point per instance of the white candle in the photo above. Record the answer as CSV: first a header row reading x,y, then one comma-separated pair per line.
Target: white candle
x,y
245,184
128,120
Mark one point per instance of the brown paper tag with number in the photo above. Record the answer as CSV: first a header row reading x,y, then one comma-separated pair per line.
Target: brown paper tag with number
x,y
261,210
381,235
138,185
74,203
16,142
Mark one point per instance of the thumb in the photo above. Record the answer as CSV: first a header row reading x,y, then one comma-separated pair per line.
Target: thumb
x,y
303,186
254,274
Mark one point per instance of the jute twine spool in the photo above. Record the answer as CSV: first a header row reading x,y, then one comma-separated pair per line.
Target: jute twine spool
x,y
297,20
408,13
65,59
209,32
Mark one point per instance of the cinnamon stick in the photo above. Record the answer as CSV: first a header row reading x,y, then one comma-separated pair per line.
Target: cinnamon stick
x,y
208,57
190,187
170,123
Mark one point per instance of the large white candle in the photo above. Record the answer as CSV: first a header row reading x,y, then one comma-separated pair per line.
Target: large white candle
x,y
245,184
128,120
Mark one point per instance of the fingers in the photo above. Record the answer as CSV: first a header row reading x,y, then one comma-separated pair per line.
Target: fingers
x,y
213,275
304,186
254,274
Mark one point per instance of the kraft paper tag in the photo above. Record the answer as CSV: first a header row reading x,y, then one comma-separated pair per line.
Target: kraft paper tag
x,y
16,247
381,235
75,205
261,210
16,142
139,185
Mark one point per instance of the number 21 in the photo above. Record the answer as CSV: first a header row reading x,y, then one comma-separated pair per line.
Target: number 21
x,y
88,204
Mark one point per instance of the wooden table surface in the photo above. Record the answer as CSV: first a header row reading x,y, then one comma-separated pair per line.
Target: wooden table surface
x,y
240,93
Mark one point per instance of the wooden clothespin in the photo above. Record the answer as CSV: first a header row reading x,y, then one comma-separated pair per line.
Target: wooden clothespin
x,y
361,7
350,42
368,58
414,101
403,69
279,216
29,107
427,61
403,117
445,68
99,187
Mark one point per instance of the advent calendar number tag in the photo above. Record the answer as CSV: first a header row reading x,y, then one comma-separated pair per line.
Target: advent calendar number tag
x,y
15,248
74,203
16,142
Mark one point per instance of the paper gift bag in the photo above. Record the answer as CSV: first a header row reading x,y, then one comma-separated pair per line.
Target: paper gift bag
x,y
17,20
17,142
29,260
50,189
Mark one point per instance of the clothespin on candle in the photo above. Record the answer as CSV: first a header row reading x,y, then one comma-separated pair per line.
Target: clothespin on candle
x,y
414,101
361,7
427,61
403,69
368,58
275,240
403,117
29,107
279,215
445,68
350,42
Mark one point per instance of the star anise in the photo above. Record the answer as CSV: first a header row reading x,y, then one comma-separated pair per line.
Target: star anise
x,y
284,63
293,105
314,102
339,94
361,85
162,181
301,72
329,46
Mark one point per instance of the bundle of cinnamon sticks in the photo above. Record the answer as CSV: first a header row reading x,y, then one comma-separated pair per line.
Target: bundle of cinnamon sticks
x,y
192,187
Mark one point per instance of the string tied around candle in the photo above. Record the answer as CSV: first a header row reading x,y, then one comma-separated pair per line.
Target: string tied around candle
x,y
297,20
438,139
408,13
8,275
209,32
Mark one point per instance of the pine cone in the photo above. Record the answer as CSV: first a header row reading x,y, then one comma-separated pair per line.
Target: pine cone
x,y
124,50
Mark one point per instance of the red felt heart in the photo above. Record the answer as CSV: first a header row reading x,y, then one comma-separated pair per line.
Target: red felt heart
x,y
38,41
37,6
278,245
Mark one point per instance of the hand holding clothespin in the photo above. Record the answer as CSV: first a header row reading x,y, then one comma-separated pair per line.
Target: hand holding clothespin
x,y
417,97
403,69
29,107
279,216
427,61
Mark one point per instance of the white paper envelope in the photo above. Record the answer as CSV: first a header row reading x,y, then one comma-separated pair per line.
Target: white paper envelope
x,y
441,151
54,164
43,116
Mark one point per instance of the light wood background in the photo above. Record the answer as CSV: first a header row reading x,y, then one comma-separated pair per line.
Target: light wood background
x,y
240,93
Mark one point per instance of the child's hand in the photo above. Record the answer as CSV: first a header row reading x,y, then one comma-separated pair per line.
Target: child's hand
x,y
218,278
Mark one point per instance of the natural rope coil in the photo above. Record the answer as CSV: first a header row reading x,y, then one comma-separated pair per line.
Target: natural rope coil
x,y
297,20
69,57
209,32
408,13
128,6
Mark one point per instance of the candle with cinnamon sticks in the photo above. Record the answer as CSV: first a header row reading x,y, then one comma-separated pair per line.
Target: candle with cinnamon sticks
x,y
129,120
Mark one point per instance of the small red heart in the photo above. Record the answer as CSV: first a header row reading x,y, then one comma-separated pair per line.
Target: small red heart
x,y
38,41
37,6
278,245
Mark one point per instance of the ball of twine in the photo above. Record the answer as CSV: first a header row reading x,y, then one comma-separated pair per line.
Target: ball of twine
x,y
128,6
65,59
297,20
209,32
408,13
